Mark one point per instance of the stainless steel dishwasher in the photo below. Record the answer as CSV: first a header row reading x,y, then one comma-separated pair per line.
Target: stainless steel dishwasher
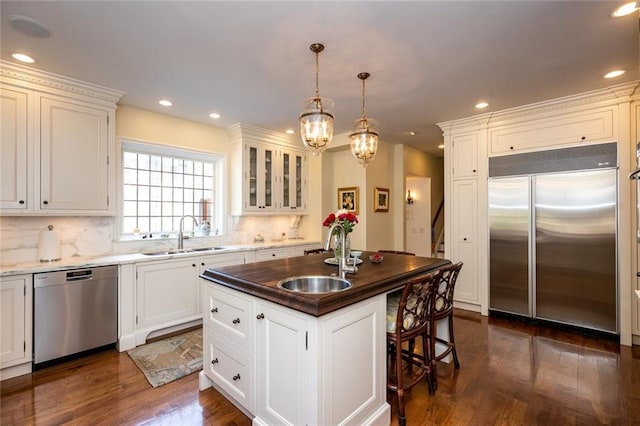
x,y
74,311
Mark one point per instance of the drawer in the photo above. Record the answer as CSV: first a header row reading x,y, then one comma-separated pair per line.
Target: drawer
x,y
230,369
229,316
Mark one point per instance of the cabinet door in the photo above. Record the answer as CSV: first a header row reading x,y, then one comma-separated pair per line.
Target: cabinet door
x,y
465,241
281,366
259,178
465,155
166,293
13,162
15,320
294,181
74,157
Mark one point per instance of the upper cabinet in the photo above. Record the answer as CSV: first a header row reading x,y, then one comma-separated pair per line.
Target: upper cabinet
x,y
269,172
58,145
465,155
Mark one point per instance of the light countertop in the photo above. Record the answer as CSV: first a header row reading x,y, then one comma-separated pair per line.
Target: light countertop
x,y
124,258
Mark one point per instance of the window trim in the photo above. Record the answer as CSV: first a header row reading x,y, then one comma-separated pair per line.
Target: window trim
x,y
220,176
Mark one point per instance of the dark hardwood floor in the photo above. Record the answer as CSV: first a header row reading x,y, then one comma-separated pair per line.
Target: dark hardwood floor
x,y
511,374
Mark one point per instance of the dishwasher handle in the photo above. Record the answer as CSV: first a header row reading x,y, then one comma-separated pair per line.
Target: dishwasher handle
x,y
80,275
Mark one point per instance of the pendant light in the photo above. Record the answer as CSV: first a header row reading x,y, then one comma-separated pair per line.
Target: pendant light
x,y
316,123
364,141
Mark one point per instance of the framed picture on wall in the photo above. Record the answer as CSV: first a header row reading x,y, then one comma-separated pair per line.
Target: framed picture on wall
x,y
380,199
348,199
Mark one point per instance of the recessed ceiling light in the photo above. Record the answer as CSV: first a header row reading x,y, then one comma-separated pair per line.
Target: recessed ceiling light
x,y
614,74
481,105
23,58
412,133
624,10
441,146
214,115
165,102
289,131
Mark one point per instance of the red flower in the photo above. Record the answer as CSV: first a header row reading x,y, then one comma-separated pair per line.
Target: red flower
x,y
329,220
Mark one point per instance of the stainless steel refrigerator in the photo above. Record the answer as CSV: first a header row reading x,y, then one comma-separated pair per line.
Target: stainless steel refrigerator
x,y
552,246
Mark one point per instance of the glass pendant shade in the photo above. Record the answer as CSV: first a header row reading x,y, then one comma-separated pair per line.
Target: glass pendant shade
x,y
364,140
316,126
316,122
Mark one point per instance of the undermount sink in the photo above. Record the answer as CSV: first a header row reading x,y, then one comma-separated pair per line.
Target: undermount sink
x,y
180,251
314,284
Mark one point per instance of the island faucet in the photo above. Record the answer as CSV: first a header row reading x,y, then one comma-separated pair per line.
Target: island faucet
x,y
181,233
343,265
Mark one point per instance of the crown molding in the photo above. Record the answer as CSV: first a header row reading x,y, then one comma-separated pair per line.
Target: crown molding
x,y
48,82
625,92
246,132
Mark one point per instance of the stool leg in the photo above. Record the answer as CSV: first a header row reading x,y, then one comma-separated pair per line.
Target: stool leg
x,y
400,386
452,341
427,365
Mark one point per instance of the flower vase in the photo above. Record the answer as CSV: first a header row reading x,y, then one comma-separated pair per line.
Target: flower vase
x,y
337,246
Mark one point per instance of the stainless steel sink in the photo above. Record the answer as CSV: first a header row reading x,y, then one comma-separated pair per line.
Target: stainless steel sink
x,y
314,284
180,251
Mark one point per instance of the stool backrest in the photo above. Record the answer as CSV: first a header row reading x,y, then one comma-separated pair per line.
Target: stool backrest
x,y
413,309
441,303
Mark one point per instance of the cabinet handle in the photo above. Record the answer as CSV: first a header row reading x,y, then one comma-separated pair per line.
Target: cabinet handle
x,y
474,170
260,316
193,264
202,264
21,201
510,147
273,255
45,202
214,310
214,361
583,138
236,321
464,239
236,377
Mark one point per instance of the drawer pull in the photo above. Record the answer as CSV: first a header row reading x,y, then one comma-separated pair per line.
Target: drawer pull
x,y
236,321
214,361
214,310
260,316
236,377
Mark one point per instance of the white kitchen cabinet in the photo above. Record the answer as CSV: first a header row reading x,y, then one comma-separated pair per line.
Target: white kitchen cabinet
x,y
465,239
166,293
593,126
74,157
293,181
58,143
280,252
464,149
269,174
306,370
282,366
15,325
14,177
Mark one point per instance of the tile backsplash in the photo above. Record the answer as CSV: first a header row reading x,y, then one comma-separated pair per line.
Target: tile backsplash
x,y
95,236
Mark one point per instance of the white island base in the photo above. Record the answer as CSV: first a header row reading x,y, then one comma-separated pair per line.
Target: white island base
x,y
281,366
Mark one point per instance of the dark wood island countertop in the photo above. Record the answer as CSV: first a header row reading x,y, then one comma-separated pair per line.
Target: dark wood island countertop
x,y
260,279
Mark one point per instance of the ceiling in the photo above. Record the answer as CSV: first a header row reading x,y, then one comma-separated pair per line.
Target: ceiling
x,y
250,61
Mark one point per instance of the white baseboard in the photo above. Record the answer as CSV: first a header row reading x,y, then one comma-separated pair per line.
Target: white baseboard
x,y
15,371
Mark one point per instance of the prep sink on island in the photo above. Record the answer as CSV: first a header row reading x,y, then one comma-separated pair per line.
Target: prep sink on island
x,y
288,357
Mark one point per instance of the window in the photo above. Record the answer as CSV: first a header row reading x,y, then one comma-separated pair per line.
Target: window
x,y
161,185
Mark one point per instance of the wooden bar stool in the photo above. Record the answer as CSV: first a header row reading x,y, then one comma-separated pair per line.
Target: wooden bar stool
x,y
441,307
408,318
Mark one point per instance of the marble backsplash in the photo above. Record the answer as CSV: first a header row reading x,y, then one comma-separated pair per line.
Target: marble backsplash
x,y
96,236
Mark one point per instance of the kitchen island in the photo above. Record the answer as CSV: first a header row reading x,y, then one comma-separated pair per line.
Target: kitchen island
x,y
294,358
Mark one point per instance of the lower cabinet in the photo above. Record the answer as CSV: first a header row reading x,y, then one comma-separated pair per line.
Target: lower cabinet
x,y
286,367
168,291
15,325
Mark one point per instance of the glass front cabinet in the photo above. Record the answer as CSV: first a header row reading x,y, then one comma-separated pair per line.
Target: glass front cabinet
x,y
274,179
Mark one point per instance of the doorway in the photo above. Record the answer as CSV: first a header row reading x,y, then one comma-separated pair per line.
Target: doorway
x,y
417,223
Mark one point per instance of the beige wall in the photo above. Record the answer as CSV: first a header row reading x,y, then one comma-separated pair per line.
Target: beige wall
x,y
380,224
418,163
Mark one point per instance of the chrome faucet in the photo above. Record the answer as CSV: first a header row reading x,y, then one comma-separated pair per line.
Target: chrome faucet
x,y
343,264
181,233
